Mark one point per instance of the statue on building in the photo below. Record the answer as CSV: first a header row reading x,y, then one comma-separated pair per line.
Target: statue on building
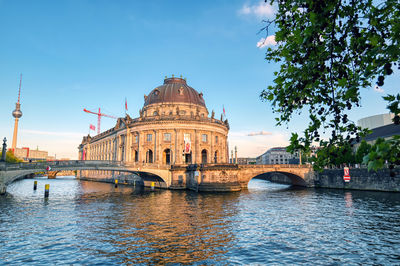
x,y
212,114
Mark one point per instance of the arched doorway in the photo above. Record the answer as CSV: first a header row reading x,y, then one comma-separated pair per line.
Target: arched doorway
x,y
167,156
149,156
136,156
204,156
216,157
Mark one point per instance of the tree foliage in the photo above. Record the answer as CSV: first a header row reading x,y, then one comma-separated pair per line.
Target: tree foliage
x,y
334,156
328,51
362,151
383,152
11,158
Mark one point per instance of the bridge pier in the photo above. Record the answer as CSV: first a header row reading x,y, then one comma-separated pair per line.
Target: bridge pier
x,y
2,189
52,174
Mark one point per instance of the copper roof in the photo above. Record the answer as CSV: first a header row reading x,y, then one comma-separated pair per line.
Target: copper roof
x,y
174,90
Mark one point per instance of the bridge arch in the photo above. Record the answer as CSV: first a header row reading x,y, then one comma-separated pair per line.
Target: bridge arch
x,y
297,175
281,177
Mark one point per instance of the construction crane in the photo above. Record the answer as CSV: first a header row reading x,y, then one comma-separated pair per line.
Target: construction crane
x,y
99,115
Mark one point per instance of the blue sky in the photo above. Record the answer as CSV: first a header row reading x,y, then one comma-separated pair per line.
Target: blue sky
x,y
90,54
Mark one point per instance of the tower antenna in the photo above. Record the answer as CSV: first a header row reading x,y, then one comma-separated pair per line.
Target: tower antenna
x,y
19,90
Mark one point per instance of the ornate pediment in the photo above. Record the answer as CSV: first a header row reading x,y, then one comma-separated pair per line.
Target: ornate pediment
x,y
120,123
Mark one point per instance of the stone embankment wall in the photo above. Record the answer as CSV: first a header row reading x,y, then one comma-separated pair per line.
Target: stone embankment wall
x,y
361,179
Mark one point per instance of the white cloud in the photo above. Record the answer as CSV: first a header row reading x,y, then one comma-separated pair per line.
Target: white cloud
x,y
269,41
378,89
245,10
260,133
260,10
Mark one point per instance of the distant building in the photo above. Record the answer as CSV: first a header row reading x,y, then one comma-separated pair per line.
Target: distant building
x,y
277,155
381,126
376,121
27,154
246,160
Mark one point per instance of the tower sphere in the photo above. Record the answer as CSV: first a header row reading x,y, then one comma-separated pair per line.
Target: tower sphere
x,y
17,113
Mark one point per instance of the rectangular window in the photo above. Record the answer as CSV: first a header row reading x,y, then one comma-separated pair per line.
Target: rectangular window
x,y
136,138
204,137
216,139
167,136
149,137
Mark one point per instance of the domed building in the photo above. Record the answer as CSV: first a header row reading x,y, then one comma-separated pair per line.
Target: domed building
x,y
174,127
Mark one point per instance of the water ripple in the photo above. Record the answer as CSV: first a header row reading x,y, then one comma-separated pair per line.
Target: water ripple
x,y
97,224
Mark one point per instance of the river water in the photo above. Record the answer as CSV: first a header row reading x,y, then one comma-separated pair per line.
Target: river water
x,y
94,223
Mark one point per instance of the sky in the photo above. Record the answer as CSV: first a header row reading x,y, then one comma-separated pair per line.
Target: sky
x,y
95,53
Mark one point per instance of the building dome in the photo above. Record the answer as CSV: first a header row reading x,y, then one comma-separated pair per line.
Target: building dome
x,y
174,90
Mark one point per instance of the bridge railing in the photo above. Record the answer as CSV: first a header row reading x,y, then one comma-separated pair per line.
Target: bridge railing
x,y
43,165
276,165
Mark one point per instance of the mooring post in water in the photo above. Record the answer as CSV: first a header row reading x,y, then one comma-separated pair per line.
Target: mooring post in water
x,y
116,182
46,190
34,185
152,185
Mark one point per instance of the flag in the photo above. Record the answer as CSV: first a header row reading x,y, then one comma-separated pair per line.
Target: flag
x,y
187,143
92,127
126,105
223,110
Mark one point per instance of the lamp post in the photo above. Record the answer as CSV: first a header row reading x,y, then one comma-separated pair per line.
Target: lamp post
x,y
4,151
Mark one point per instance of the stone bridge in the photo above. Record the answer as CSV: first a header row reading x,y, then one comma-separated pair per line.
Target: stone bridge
x,y
234,177
11,172
208,177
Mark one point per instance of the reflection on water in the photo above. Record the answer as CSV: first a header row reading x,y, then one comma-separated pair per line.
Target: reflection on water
x,y
95,223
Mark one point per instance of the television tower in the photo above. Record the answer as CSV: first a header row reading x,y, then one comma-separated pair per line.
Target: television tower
x,y
17,114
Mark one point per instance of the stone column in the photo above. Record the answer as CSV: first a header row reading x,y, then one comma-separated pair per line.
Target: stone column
x,y
139,150
195,151
155,159
175,145
211,146
227,151
160,150
178,148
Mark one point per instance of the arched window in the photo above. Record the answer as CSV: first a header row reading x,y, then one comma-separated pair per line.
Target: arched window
x,y
149,156
136,156
204,156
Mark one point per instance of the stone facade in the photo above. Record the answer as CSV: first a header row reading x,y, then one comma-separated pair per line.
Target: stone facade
x,y
174,128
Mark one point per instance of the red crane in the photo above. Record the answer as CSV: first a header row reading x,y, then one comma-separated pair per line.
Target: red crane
x,y
99,115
